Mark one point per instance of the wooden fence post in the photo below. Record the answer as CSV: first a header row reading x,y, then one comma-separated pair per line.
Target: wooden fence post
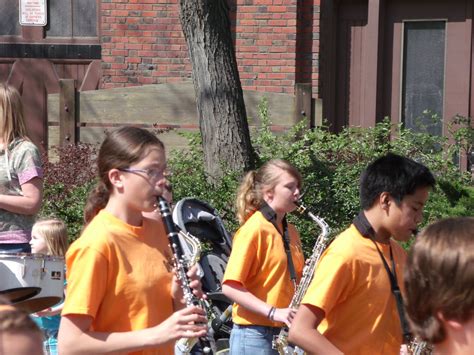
x,y
67,112
303,103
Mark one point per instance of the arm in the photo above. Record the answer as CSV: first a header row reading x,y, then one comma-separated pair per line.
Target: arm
x,y
304,334
29,203
51,311
75,336
239,294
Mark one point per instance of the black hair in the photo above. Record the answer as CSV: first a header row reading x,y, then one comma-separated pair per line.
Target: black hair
x,y
395,174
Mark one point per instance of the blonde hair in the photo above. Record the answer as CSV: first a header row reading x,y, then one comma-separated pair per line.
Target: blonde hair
x,y
12,123
255,182
54,232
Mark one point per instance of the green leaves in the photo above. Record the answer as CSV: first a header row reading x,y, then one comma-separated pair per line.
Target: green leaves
x,y
331,165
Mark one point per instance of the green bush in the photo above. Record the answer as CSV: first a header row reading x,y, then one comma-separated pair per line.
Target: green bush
x,y
69,174
329,163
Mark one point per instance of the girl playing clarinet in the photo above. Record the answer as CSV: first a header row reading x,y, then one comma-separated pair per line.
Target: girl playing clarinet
x,y
121,295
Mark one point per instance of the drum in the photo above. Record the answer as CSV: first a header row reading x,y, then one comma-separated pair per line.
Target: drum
x,y
32,282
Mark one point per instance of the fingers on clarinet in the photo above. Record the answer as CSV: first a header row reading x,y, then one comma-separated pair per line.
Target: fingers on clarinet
x,y
192,310
193,272
194,331
195,284
199,294
195,318
198,310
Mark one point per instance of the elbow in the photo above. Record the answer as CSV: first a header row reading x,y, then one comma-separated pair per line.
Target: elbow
x,y
63,347
69,346
34,204
293,335
31,206
35,208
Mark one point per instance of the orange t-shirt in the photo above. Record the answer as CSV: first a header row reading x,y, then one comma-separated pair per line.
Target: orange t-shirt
x,y
120,275
351,285
258,261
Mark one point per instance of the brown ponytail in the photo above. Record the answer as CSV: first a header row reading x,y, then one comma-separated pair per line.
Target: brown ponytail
x,y
97,200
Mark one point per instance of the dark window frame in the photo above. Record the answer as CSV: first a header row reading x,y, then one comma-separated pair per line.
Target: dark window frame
x,y
402,94
37,34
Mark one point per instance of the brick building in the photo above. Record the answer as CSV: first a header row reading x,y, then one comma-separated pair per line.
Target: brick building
x,y
142,43
365,59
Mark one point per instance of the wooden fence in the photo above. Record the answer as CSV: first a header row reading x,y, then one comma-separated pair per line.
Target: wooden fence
x,y
84,116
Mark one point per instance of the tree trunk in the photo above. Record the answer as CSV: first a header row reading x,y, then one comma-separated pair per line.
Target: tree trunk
x,y
219,97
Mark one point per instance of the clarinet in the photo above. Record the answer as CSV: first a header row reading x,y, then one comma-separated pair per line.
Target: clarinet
x,y
180,264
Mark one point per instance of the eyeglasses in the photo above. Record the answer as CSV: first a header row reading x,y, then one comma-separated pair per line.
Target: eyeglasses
x,y
154,174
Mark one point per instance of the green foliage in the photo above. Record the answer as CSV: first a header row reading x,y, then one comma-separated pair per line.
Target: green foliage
x,y
69,174
331,165
66,204
190,180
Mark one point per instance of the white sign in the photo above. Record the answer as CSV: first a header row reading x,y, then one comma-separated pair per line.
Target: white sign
x,y
33,13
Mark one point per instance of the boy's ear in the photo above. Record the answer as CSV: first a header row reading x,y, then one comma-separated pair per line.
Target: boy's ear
x,y
384,200
115,178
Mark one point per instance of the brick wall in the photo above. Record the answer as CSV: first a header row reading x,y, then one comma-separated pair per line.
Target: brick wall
x,y
276,43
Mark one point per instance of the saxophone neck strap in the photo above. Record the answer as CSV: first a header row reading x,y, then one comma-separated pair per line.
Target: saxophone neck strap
x,y
271,216
364,227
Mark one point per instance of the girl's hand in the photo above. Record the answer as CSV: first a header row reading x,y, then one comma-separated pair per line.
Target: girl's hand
x,y
48,312
404,350
189,322
44,313
194,283
284,315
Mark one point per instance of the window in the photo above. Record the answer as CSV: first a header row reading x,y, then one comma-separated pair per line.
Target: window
x,y
9,18
423,75
72,18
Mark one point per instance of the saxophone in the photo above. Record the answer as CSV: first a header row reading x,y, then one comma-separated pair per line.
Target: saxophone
x,y
280,342
183,261
419,347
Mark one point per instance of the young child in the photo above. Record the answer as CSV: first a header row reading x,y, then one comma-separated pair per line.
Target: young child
x,y
349,307
121,294
49,237
21,175
19,335
439,286
259,277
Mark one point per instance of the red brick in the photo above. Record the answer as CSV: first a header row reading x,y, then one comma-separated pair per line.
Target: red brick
x,y
265,32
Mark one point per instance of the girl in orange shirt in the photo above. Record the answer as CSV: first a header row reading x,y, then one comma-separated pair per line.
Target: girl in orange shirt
x,y
121,294
258,277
